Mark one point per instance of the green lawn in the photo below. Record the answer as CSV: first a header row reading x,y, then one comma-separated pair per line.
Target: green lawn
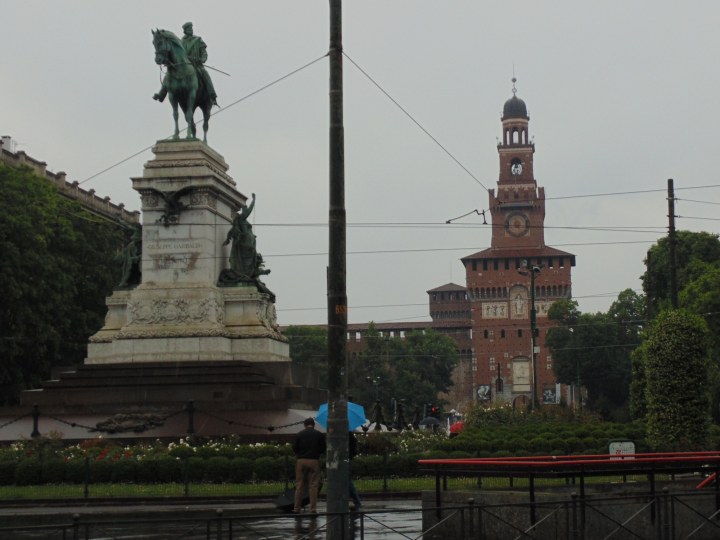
x,y
364,485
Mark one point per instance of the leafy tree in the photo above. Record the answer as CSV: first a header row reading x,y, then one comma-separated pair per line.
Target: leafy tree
x,y
676,371
701,295
638,403
691,247
309,347
57,263
595,349
698,271
412,370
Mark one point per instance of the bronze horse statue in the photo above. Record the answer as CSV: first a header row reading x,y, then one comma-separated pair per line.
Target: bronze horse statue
x,y
181,83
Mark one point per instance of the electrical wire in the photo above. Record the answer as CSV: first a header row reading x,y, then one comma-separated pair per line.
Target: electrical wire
x,y
438,143
694,201
254,92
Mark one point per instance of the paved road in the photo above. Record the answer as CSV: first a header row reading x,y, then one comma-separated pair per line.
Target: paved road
x,y
381,520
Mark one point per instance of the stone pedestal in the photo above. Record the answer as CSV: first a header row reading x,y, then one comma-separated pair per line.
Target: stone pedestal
x,y
178,313
180,353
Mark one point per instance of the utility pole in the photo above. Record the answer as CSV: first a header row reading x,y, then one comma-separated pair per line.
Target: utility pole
x,y
672,240
337,459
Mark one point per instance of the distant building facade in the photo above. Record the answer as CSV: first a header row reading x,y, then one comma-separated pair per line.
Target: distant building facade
x,y
96,205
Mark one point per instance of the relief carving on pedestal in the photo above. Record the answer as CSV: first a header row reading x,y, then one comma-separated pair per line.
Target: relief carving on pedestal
x,y
150,201
175,311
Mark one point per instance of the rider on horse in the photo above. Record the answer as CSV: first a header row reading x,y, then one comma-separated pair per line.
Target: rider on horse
x,y
197,53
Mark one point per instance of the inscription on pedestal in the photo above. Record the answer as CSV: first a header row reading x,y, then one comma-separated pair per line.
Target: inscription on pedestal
x,y
170,255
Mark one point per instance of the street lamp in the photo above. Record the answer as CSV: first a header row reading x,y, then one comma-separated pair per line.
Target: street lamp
x,y
578,392
532,270
375,381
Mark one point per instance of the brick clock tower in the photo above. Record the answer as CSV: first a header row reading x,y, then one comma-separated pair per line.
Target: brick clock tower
x,y
499,278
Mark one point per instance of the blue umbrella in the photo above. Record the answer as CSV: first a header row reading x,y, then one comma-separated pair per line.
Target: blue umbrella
x,y
356,415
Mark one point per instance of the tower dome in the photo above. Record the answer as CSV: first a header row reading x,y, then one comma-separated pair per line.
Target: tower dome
x,y
514,107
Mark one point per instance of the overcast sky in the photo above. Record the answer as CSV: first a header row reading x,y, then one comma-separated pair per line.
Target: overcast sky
x,y
621,96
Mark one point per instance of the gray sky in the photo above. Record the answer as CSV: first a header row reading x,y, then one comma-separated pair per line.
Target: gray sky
x,y
621,96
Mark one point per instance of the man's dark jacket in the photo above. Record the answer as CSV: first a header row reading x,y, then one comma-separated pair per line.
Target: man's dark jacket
x,y
309,444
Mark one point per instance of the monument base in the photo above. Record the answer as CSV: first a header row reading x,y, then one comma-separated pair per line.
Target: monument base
x,y
257,400
188,324
187,349
181,352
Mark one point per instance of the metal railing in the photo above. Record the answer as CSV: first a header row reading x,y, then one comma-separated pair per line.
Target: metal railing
x,y
689,516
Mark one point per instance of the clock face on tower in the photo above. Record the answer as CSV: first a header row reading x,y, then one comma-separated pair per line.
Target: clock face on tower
x,y
516,168
517,224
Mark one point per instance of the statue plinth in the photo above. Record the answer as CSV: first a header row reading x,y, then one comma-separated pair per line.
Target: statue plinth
x,y
178,312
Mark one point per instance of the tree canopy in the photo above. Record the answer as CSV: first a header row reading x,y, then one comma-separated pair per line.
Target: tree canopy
x,y
412,370
691,251
58,265
676,371
698,282
594,349
309,347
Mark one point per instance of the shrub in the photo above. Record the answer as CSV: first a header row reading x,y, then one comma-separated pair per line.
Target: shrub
x,y
590,443
124,471
558,444
241,470
182,451
53,471
7,472
194,469
206,451
218,470
75,471
100,470
158,469
28,472
540,444
402,464
368,466
574,445
265,469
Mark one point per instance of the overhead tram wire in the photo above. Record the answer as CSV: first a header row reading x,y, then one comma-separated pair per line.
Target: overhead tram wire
x,y
636,192
699,218
694,201
609,194
414,121
262,88
421,250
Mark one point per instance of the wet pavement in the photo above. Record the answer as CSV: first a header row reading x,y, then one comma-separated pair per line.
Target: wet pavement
x,y
380,520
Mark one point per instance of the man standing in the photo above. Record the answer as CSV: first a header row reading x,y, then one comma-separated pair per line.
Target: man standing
x,y
197,53
308,446
352,452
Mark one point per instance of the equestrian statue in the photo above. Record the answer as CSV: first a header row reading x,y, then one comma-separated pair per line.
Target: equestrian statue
x,y
186,83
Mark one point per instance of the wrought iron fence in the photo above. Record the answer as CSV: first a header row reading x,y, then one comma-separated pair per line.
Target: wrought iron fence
x,y
665,516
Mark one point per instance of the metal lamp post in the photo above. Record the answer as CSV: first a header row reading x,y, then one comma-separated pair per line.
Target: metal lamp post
x,y
577,393
532,270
